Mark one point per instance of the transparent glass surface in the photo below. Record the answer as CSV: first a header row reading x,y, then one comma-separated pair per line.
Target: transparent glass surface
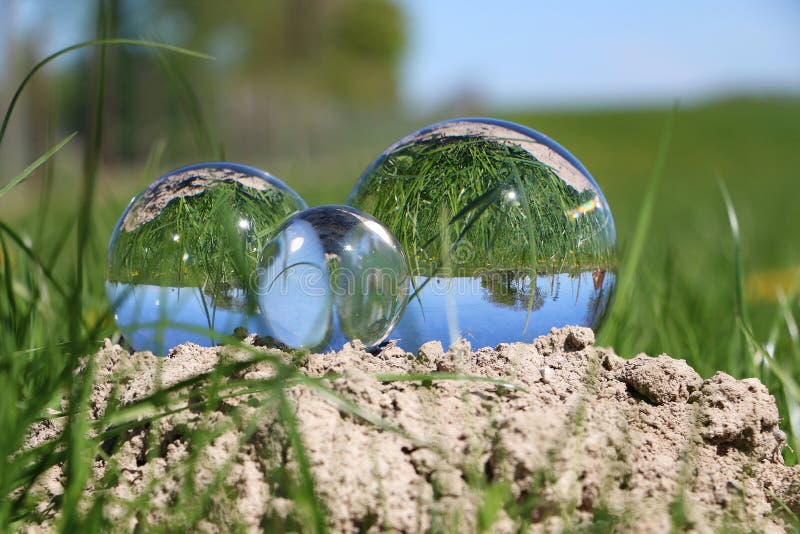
x,y
507,234
332,274
182,256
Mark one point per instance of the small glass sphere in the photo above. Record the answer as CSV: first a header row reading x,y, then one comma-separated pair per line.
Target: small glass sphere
x,y
506,233
182,255
332,274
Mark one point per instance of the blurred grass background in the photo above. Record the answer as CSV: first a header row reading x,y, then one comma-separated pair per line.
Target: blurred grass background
x,y
308,90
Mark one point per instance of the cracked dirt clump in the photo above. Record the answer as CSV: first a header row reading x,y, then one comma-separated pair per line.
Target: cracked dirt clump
x,y
738,413
546,436
662,379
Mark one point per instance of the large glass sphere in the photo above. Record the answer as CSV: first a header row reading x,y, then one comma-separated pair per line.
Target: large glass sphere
x,y
329,275
182,255
506,233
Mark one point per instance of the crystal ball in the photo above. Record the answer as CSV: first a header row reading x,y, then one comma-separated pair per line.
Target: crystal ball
x,y
182,256
507,234
331,274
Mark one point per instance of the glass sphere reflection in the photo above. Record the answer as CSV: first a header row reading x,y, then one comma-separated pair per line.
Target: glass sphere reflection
x,y
507,234
332,274
181,257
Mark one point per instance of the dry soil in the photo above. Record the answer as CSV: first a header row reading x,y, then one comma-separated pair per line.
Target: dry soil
x,y
576,437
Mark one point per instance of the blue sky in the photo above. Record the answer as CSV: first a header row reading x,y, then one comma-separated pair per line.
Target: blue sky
x,y
517,52
513,53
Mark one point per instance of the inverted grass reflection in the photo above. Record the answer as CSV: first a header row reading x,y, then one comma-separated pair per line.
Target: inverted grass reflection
x,y
187,247
505,204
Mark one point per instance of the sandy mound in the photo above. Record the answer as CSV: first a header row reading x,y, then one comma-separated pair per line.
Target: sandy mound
x,y
576,436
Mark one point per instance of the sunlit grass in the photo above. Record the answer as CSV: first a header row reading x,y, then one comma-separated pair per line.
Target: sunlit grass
x,y
501,202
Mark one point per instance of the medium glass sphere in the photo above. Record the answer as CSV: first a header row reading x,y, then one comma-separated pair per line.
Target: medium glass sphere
x,y
331,274
506,233
182,255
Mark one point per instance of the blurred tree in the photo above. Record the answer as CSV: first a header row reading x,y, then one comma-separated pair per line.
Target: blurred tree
x,y
288,73
285,69
345,48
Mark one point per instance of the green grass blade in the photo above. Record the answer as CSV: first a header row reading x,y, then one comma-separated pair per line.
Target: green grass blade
x,y
33,256
432,377
791,388
305,495
783,376
77,468
35,165
193,108
11,301
738,267
531,231
91,165
348,406
153,161
495,498
86,44
634,256
631,263
792,518
48,172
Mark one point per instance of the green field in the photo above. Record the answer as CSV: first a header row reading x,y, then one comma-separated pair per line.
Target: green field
x,y
685,290
689,286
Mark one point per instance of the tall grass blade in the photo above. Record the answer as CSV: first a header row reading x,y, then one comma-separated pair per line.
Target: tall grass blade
x,y
791,387
8,278
738,273
788,383
153,160
305,494
495,499
46,192
77,468
34,257
630,265
35,165
193,109
85,44
644,221
427,378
